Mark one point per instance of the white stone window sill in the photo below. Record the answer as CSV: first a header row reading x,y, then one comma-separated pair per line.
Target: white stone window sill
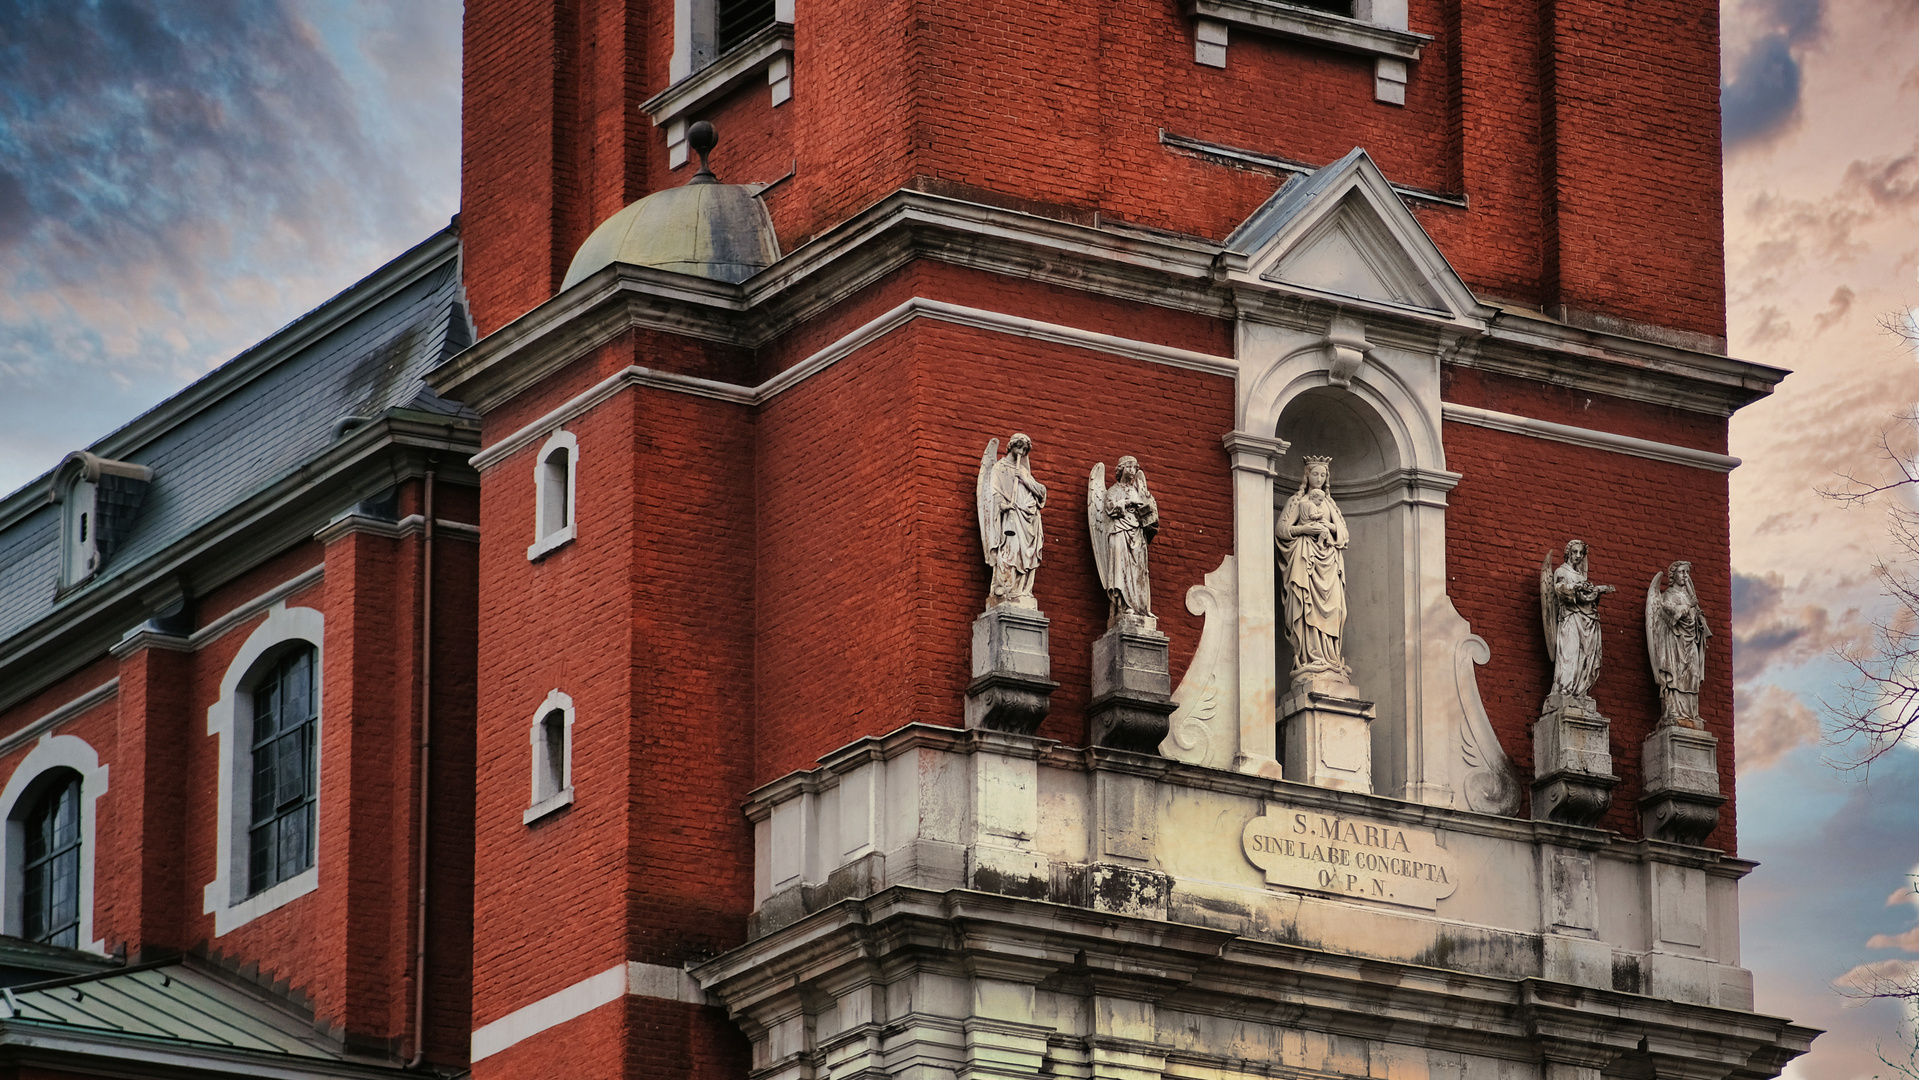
x,y
1392,48
558,801
769,51
539,548
233,916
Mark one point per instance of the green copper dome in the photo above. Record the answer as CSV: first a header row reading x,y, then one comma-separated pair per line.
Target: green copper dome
x,y
710,230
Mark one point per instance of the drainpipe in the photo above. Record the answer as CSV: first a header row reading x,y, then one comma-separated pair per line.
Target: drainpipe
x,y
426,759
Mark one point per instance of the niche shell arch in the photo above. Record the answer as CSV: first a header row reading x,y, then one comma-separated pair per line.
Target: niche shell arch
x,y
1323,371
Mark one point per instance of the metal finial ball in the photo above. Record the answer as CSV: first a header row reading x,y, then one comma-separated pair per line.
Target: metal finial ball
x,y
702,138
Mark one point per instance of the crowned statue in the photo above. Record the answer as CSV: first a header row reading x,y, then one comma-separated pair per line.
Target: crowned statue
x,y
1122,520
1311,536
1676,634
1009,503
1569,610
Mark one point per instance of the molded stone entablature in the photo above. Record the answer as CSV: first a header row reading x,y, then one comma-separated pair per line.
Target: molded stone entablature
x,y
1069,908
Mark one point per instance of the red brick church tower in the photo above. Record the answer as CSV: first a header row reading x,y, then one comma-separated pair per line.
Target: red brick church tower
x,y
792,764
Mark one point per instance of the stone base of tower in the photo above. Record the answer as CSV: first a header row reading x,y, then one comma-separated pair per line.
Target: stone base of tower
x,y
985,904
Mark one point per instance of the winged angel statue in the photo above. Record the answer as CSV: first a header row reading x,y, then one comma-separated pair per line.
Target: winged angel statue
x,y
1676,634
1122,520
1009,502
1569,610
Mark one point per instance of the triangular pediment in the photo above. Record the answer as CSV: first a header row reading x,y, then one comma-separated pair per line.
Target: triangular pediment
x,y
1342,231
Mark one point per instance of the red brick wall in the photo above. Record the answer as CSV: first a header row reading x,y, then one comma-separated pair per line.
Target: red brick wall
x,y
1522,497
347,948
1584,134
646,621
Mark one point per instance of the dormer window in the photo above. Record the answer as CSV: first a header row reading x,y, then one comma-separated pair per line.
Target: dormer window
x,y
555,474
99,500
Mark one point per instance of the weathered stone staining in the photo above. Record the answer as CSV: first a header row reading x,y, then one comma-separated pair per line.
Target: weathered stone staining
x,y
1132,680
1680,796
1326,727
1011,689
1572,749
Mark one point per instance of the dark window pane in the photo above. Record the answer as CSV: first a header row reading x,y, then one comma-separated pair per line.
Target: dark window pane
x,y
280,839
50,895
741,19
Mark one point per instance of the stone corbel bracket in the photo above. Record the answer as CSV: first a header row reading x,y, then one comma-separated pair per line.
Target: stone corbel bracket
x,y
1346,350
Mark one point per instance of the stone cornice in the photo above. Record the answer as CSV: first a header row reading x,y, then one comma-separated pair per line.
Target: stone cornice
x,y
1194,968
58,715
1589,437
1180,273
900,315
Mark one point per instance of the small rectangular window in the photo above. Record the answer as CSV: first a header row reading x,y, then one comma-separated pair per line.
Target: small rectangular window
x,y
741,19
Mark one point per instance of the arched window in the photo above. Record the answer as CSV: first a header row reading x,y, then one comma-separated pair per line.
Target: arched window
x,y
280,831
50,886
268,719
555,474
551,741
46,869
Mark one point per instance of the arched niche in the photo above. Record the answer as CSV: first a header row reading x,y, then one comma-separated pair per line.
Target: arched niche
x,y
1371,403
1367,483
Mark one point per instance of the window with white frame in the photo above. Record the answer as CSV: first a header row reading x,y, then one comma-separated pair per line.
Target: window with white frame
x,y
50,874
48,808
269,722
555,477
718,46
551,742
285,721
1372,28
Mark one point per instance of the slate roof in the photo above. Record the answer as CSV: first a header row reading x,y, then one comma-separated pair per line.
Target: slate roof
x,y
255,420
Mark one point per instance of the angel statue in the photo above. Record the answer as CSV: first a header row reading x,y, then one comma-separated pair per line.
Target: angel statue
x,y
1009,501
1569,608
1122,520
1676,634
1311,536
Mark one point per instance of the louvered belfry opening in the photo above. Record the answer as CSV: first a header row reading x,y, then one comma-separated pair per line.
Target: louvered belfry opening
x,y
741,19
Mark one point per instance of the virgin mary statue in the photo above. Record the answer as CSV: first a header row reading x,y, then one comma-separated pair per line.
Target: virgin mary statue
x,y
1311,534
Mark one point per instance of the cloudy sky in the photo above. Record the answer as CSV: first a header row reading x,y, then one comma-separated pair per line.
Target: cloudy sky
x,y
177,183
178,180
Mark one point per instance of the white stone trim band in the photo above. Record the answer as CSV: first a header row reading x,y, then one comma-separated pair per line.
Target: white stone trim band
x,y
212,631
917,308
1588,437
59,715
631,979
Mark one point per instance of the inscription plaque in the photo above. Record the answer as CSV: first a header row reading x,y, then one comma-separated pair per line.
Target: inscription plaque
x,y
1321,851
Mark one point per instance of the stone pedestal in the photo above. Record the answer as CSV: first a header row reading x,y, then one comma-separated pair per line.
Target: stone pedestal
x,y
1326,732
1011,690
1132,686
1680,801
1572,762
